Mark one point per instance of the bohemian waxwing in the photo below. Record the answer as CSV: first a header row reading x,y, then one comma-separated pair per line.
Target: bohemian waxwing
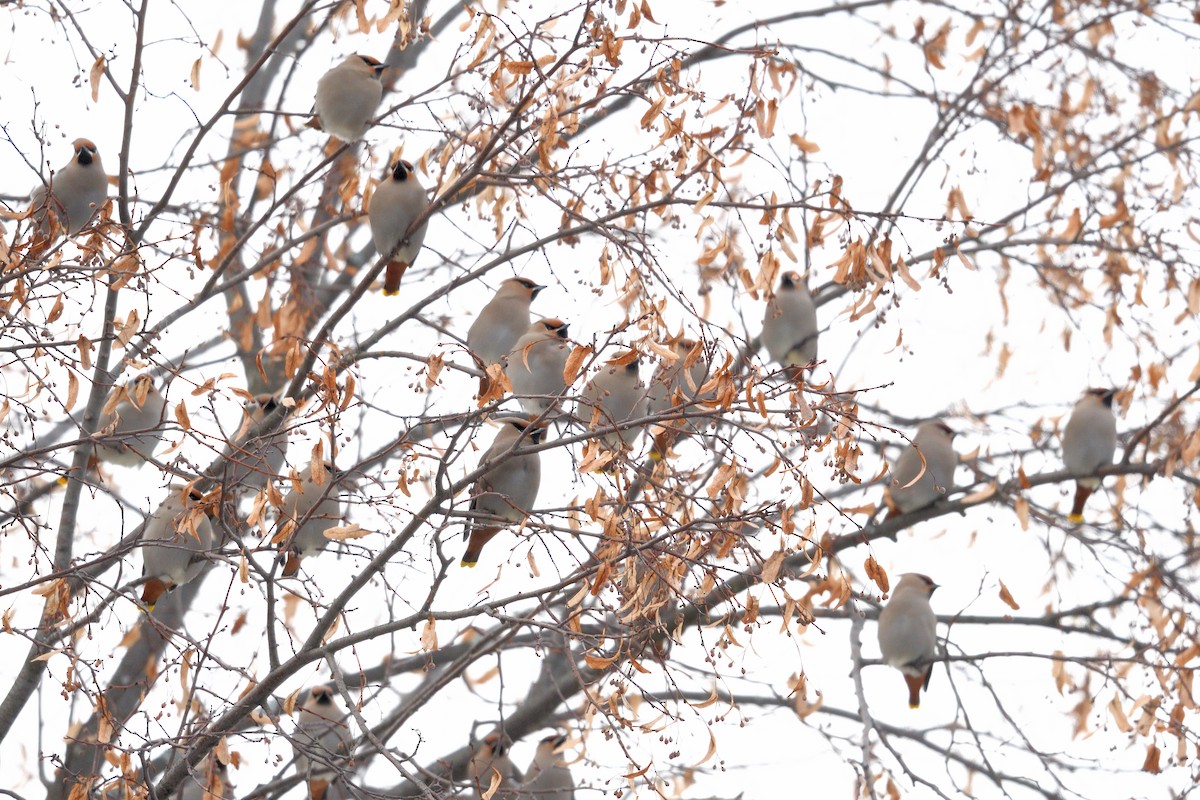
x,y
548,778
309,509
935,441
674,387
397,203
790,325
259,458
210,781
615,395
536,365
908,633
507,491
502,321
1089,442
322,741
490,764
173,543
348,96
74,193
135,413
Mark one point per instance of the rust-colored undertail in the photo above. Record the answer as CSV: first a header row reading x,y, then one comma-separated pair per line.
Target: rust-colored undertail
x,y
915,684
152,591
1082,493
292,565
479,538
391,279
317,787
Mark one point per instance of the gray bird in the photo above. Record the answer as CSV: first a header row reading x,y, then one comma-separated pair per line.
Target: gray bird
x,y
548,778
396,204
210,781
135,412
614,396
309,509
790,324
490,762
934,441
674,386
174,541
908,633
502,321
507,491
73,195
322,741
258,459
536,365
1089,442
348,97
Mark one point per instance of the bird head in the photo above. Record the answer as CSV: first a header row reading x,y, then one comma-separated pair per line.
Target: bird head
x,y
554,740
924,581
375,66
321,696
554,326
266,403
85,151
1104,395
523,425
401,172
526,286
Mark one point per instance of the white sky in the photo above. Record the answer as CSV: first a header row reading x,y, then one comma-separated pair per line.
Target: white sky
x,y
943,365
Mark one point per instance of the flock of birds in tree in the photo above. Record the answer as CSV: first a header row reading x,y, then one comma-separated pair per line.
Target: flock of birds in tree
x,y
532,355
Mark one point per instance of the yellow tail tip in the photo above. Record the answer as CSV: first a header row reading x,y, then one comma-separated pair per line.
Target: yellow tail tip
x,y
655,456
1076,518
914,705
390,292
468,564
62,481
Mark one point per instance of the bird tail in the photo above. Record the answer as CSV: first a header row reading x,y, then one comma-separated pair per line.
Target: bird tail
x,y
152,590
661,444
478,538
292,564
1082,492
317,787
391,280
915,684
314,122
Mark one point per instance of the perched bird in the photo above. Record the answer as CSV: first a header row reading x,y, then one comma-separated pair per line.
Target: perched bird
x,y
507,491
930,455
790,325
258,459
73,195
548,778
174,540
1089,442
397,203
348,96
536,365
490,762
135,414
502,321
615,395
210,781
322,741
908,633
309,509
675,384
